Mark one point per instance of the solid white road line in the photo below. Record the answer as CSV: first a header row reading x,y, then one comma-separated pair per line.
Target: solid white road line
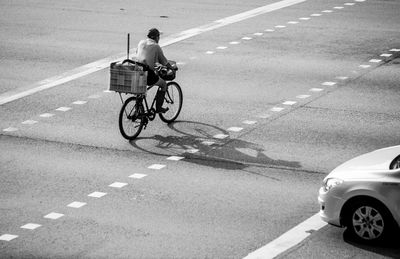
x,y
104,63
289,239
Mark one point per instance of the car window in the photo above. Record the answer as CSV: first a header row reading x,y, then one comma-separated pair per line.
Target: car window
x,y
395,163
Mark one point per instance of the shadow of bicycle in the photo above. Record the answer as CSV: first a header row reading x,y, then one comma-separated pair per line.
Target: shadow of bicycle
x,y
197,142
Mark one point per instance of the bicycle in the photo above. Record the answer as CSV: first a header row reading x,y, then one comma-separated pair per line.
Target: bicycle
x,y
135,112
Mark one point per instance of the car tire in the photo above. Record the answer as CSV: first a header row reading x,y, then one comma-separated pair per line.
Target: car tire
x,y
369,221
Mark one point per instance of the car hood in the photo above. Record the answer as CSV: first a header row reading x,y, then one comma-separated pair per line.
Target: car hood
x,y
371,165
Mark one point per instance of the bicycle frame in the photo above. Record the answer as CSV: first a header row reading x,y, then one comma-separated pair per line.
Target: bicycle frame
x,y
149,112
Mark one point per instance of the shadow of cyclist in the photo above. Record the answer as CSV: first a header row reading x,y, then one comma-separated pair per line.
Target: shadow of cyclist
x,y
197,141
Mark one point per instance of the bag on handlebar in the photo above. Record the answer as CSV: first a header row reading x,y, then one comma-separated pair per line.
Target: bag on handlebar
x,y
167,73
128,77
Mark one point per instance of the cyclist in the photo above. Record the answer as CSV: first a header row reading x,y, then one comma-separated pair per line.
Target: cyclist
x,y
151,54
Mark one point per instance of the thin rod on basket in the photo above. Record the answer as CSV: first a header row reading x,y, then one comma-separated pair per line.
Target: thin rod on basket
x,y
128,45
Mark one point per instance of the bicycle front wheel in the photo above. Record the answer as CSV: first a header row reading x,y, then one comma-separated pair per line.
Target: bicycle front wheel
x,y
131,118
173,100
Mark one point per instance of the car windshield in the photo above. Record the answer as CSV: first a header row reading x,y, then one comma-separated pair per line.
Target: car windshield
x,y
395,163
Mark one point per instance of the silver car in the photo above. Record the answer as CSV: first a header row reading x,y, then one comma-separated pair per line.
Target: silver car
x,y
363,194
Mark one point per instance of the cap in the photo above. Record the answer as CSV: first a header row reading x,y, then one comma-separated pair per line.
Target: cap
x,y
153,32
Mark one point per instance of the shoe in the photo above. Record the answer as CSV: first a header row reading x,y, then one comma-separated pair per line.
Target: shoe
x,y
162,110
159,102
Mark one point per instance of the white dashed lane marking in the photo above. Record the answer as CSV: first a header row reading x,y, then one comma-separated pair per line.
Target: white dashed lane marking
x,y
10,129
365,66
209,52
7,237
76,204
258,33
31,226
63,109
269,30
349,4
316,89
222,47
79,102
208,142
304,18
137,176
292,22
235,129
342,77
280,26
46,115
175,158
192,150
97,194
327,11
263,116
375,60
277,109
289,103
249,122
29,122
156,166
118,185
316,14
53,215
338,7
329,83
220,136
234,42
303,96
247,38
386,55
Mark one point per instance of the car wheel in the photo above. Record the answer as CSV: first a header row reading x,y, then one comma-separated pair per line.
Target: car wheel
x,y
369,221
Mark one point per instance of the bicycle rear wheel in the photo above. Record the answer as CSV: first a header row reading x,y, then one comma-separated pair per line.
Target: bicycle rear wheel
x,y
173,100
131,118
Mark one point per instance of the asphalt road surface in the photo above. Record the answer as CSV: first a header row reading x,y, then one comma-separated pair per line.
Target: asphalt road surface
x,y
274,99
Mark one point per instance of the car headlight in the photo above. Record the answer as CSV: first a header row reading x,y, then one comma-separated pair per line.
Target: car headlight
x,y
331,182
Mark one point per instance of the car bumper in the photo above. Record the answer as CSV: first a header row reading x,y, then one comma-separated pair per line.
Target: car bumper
x,y
330,207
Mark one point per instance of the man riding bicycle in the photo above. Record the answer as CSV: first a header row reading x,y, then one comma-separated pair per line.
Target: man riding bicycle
x,y
151,54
